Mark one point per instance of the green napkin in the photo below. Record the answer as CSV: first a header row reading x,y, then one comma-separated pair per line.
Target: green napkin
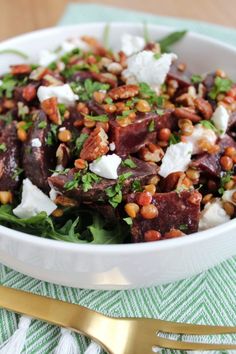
x,y
207,298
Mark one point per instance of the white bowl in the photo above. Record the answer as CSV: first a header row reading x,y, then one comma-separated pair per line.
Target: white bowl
x,y
130,265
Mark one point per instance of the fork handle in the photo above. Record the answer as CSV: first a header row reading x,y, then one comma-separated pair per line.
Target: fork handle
x,y
78,318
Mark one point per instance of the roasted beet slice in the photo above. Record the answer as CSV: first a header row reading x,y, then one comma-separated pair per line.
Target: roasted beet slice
x,y
143,130
176,210
182,77
211,162
37,161
10,158
143,172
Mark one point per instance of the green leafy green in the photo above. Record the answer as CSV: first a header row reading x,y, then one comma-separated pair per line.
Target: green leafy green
x,y
221,85
167,41
86,90
7,118
128,221
151,126
8,85
183,227
129,163
85,180
19,53
62,108
18,171
157,56
209,125
160,111
149,94
83,227
3,147
52,135
42,124
196,79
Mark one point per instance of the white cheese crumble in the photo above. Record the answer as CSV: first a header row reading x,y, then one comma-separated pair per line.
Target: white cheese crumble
x,y
33,201
212,215
106,166
144,67
46,57
63,93
131,44
36,143
200,132
73,43
221,118
112,146
227,196
176,158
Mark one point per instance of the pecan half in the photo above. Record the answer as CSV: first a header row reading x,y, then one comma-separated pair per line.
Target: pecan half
x,y
124,92
203,107
62,155
187,113
29,92
95,146
65,201
21,69
50,107
151,153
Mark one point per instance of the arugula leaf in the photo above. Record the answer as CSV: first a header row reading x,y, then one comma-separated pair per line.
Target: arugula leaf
x,y
8,85
221,85
170,39
15,52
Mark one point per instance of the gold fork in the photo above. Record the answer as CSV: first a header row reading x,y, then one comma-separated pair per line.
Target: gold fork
x,y
115,335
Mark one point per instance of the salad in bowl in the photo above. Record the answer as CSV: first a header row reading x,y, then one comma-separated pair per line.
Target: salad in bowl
x,y
116,146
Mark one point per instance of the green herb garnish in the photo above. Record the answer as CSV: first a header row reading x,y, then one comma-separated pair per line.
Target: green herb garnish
x,y
79,142
52,135
160,111
101,118
149,94
157,56
7,118
8,85
136,186
209,125
129,221
62,108
183,227
18,171
220,86
3,147
114,193
225,178
88,180
129,163
151,126
174,139
196,79
170,39
42,124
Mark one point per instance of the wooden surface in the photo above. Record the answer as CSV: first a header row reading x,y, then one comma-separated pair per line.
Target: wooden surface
x,y
19,16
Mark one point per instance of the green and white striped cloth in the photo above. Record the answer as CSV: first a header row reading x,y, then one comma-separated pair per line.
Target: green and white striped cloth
x,y
209,298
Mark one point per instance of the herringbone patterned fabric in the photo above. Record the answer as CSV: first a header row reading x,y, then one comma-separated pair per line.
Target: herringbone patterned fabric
x,y
208,298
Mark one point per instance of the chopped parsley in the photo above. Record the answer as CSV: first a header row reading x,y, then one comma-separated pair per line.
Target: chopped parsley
x,y
157,56
52,135
108,100
42,124
183,227
79,142
149,94
8,85
62,108
18,171
7,118
209,125
196,79
225,178
151,126
86,181
86,90
170,39
101,118
26,126
114,193
174,139
160,111
3,147
221,85
136,186
128,221
129,163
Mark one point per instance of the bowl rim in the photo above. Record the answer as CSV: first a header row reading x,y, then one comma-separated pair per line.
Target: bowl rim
x,y
143,247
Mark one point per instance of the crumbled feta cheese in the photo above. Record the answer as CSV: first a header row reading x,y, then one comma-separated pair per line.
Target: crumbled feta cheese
x,y
221,118
46,57
62,129
74,43
200,132
63,93
106,166
33,201
212,215
144,67
53,194
192,92
176,158
112,146
227,196
131,44
36,143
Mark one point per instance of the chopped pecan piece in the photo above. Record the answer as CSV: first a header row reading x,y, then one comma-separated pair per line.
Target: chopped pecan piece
x,y
95,146
187,113
124,92
50,107
21,69
29,92
204,107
